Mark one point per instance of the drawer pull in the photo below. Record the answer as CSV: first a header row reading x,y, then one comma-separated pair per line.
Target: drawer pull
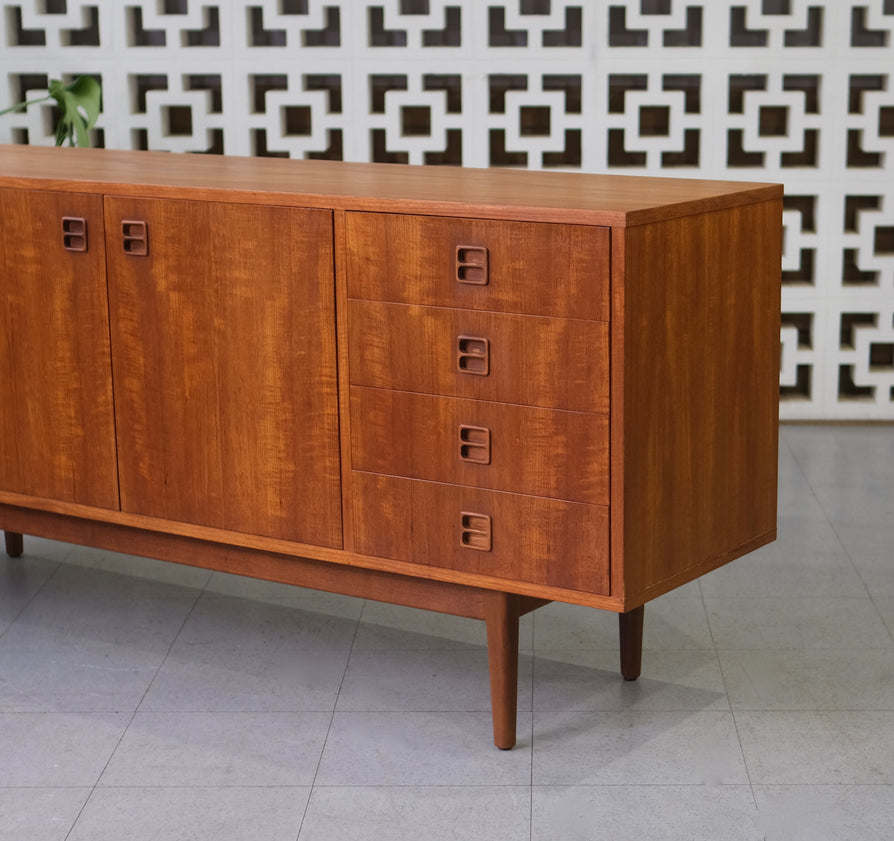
x,y
473,355
474,444
475,531
74,233
471,265
135,238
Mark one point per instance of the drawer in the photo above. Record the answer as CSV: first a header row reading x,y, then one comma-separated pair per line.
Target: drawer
x,y
511,536
542,452
535,268
558,363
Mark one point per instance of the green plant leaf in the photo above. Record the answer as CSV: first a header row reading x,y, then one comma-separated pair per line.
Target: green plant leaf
x,y
86,92
62,132
79,104
21,106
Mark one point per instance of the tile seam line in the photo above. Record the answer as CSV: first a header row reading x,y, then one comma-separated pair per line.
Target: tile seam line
x,y
313,783
847,552
35,594
96,785
729,705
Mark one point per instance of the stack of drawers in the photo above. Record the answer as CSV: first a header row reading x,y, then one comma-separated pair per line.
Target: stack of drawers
x,y
479,396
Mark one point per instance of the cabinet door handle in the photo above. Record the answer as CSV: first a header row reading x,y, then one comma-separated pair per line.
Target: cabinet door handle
x,y
474,444
135,238
74,233
471,265
475,531
473,355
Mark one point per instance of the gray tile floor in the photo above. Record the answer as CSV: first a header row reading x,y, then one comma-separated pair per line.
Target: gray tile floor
x,y
141,700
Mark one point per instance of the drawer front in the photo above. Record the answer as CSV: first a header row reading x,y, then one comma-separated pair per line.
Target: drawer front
x,y
540,269
511,536
542,452
547,362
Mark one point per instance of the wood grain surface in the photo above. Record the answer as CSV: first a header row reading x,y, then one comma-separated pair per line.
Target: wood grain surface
x,y
554,270
534,361
543,452
536,540
56,418
568,197
225,375
699,410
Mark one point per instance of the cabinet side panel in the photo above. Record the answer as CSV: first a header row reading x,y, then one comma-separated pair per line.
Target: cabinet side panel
x,y
225,376
701,373
56,418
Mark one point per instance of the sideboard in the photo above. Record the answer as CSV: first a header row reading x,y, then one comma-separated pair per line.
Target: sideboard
x,y
470,391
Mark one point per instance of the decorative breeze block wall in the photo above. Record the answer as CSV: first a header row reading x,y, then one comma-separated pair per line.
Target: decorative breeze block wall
x,y
797,91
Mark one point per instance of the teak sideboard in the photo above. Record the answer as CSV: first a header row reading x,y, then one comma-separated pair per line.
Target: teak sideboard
x,y
471,391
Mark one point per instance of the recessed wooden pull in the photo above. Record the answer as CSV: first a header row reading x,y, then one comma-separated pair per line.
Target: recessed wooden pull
x,y
471,265
74,233
473,355
135,238
475,531
474,444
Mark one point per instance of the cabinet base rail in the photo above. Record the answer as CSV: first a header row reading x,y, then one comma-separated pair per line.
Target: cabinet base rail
x,y
500,611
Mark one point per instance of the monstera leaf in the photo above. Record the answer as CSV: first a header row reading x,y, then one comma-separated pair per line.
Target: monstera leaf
x,y
78,108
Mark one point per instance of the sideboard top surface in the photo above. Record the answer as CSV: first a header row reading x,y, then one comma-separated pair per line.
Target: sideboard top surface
x,y
616,200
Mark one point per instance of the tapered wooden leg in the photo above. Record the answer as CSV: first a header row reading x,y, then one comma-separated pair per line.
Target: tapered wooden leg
x,y
630,628
501,616
14,543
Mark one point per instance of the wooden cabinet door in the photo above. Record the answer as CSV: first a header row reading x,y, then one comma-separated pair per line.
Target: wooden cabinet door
x,y
57,434
223,340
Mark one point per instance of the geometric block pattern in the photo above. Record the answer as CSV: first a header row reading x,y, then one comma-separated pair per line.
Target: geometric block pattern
x,y
797,91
